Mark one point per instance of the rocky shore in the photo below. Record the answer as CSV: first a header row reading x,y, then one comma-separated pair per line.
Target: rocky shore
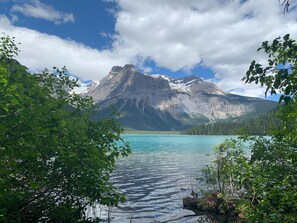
x,y
215,206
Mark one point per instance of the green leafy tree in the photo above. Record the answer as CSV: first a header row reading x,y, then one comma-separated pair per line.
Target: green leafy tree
x,y
227,167
266,181
275,159
280,74
55,160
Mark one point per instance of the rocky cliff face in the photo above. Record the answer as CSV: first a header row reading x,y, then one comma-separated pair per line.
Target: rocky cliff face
x,y
157,102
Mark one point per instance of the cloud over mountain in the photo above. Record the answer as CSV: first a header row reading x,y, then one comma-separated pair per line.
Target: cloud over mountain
x,y
177,35
222,35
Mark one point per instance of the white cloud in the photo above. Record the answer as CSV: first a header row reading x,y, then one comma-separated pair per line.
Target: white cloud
x,y
40,50
175,34
223,35
36,9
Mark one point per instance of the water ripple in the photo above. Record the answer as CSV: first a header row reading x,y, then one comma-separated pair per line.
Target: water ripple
x,y
157,175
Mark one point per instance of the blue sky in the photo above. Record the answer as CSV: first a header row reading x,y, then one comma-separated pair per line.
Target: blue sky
x,y
86,24
213,39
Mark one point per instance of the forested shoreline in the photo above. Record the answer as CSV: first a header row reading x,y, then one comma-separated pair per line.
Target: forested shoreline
x,y
261,125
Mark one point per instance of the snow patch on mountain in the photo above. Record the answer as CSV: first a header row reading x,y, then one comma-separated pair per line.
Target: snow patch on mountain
x,y
159,102
181,86
177,84
85,87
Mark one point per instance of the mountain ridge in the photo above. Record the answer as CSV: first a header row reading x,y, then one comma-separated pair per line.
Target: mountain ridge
x,y
158,102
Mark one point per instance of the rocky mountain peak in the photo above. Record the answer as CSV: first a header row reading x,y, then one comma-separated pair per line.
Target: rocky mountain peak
x,y
189,78
115,69
126,68
129,67
159,102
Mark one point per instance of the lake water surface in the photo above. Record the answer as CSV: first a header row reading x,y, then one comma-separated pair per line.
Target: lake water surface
x,y
160,171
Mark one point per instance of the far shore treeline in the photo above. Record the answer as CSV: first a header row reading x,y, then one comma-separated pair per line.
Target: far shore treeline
x,y
261,125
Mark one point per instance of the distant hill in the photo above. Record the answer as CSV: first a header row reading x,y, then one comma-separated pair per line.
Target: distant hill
x,y
160,103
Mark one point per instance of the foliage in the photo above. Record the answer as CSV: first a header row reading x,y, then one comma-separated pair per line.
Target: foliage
x,y
55,161
264,184
261,125
285,4
275,187
280,74
227,167
267,180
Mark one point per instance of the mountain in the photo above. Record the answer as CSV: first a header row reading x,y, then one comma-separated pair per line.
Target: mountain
x,y
157,102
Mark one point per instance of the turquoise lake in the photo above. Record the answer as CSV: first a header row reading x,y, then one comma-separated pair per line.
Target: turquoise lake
x,y
161,170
